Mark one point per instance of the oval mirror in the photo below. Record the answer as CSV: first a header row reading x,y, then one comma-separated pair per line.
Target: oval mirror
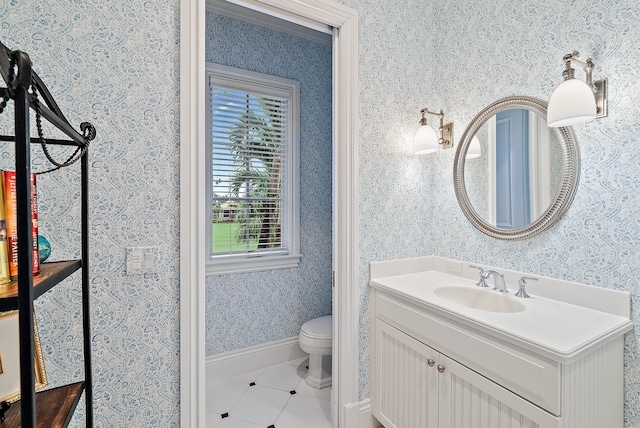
x,y
514,177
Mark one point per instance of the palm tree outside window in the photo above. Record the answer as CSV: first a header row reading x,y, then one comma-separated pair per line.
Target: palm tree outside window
x,y
253,170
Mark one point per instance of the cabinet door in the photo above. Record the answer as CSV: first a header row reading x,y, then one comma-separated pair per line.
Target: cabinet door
x,y
405,380
469,400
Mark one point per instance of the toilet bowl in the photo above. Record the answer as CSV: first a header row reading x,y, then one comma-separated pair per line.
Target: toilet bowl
x,y
315,340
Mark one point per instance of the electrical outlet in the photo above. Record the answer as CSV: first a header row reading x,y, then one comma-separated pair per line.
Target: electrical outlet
x,y
134,260
140,260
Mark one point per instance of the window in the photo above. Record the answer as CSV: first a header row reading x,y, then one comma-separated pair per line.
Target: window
x,y
253,172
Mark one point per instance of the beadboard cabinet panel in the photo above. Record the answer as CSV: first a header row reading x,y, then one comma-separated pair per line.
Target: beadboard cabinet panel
x,y
430,371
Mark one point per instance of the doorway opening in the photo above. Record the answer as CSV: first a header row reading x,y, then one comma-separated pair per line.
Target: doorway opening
x,y
345,300
271,164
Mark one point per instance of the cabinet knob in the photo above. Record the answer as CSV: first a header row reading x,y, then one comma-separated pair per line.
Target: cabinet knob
x,y
431,362
440,368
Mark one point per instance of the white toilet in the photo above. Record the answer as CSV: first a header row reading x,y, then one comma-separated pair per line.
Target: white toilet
x,y
315,339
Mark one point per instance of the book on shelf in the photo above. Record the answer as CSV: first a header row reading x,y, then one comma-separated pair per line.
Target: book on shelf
x,y
5,275
11,218
35,249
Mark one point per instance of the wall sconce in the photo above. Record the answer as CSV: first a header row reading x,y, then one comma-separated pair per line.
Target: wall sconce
x,y
574,101
425,139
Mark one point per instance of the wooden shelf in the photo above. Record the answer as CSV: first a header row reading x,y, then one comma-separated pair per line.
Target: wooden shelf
x,y
54,407
50,274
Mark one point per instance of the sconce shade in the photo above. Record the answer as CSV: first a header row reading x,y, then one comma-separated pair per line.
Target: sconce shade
x,y
425,140
474,150
571,103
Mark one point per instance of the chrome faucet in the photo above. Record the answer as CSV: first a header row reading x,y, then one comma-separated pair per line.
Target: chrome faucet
x,y
498,280
523,281
481,282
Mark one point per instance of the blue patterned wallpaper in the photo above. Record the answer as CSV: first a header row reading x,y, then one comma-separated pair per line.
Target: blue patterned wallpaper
x,y
470,54
116,64
507,50
254,308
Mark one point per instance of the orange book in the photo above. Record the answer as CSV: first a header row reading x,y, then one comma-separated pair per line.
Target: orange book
x,y
10,207
11,217
5,276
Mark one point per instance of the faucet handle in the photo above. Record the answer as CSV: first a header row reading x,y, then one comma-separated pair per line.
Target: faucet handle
x,y
482,282
523,281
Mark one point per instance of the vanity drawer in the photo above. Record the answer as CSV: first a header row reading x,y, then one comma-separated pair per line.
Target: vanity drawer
x,y
534,378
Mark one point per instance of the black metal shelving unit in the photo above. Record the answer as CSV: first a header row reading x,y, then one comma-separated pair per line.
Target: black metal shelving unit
x,y
53,407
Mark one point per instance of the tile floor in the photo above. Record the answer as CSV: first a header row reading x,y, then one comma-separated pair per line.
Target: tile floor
x,y
273,397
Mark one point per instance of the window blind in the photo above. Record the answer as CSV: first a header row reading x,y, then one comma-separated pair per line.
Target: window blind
x,y
249,133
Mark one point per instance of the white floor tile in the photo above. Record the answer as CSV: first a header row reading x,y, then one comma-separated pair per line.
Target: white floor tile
x,y
260,405
248,377
236,423
307,412
304,389
284,377
212,419
222,394
269,401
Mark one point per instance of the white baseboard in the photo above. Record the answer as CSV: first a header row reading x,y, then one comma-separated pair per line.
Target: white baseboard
x,y
255,357
366,418
358,415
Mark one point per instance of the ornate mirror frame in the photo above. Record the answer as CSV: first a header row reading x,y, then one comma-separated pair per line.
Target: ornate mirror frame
x,y
570,171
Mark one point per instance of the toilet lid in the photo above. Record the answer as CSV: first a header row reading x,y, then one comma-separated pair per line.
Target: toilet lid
x,y
317,328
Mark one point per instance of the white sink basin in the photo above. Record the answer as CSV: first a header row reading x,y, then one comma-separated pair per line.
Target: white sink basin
x,y
477,298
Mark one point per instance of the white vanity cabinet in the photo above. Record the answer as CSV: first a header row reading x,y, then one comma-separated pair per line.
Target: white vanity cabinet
x,y
431,370
415,386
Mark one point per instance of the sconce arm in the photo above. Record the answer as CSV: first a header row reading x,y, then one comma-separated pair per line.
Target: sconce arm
x,y
587,66
426,110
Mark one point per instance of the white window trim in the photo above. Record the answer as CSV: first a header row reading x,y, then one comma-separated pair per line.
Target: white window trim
x,y
244,80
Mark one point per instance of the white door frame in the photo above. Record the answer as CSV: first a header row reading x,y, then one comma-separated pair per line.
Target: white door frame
x,y
346,296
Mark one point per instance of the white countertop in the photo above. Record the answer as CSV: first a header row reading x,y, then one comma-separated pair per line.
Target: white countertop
x,y
556,329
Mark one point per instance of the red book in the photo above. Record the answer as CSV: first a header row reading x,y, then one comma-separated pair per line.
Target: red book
x,y
11,213
34,227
